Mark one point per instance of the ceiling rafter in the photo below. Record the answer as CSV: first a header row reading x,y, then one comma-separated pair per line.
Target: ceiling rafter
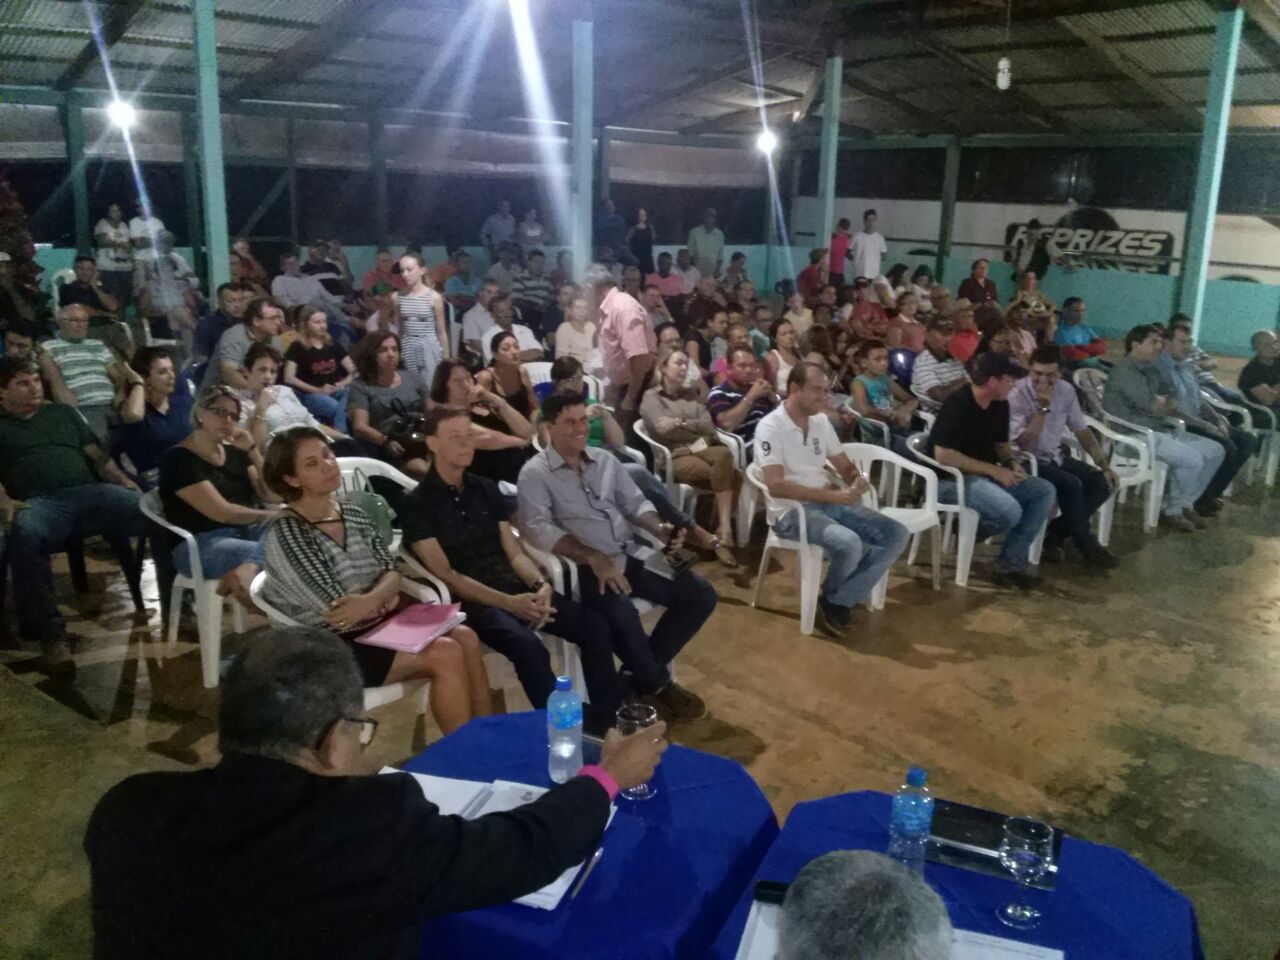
x,y
700,81
115,23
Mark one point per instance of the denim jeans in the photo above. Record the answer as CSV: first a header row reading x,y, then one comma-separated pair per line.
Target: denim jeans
x,y
689,600
42,529
1192,462
1081,489
222,550
860,544
329,409
655,491
1018,512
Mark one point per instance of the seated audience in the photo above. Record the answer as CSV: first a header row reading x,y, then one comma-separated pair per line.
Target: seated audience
x,y
699,347
736,334
506,374
677,419
921,284
743,398
1078,341
797,314
154,418
964,336
972,435
319,370
1260,379
19,340
56,482
295,288
904,330
327,263
1042,409
996,338
462,287
268,406
84,373
527,347
211,486
262,323
744,297
1135,393
1238,444
562,491
251,274
654,306
734,273
795,447
783,357
866,318
232,299
877,396
103,308
502,430
166,287
383,401
939,299
284,843
558,312
576,336
503,272
383,272
1029,296
690,275
1022,340
669,339
669,282
705,302
858,904
328,568
936,374
533,293
477,323
503,592
978,288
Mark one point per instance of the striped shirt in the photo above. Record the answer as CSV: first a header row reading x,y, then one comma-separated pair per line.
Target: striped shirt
x,y
419,343
535,290
83,365
929,372
309,571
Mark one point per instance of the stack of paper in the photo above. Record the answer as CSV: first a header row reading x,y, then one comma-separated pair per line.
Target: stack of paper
x,y
760,941
411,629
471,799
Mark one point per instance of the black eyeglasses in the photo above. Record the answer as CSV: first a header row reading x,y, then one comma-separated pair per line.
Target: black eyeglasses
x,y
368,729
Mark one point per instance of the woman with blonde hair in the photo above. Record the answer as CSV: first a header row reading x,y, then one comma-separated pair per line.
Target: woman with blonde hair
x,y
318,369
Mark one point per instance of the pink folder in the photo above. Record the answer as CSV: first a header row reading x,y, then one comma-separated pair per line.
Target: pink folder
x,y
411,629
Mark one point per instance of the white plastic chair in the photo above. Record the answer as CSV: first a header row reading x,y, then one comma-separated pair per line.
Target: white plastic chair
x,y
681,493
373,696
747,498
1262,434
1129,461
1270,452
810,556
60,279
539,371
368,467
209,605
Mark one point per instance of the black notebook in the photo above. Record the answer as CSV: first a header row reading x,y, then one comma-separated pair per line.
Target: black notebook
x,y
969,838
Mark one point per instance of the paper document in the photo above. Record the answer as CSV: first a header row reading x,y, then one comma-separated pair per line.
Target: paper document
x,y
451,796
760,941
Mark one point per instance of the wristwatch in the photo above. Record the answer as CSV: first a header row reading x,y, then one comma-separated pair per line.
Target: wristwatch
x,y
1043,408
537,585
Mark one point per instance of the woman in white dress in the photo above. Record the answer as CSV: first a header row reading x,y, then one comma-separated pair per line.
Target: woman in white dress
x,y
424,330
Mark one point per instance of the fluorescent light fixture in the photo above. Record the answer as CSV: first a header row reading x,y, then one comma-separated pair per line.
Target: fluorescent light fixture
x,y
1004,74
767,142
121,114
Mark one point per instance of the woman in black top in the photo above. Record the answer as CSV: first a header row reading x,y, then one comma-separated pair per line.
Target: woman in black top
x,y
318,369
640,242
211,486
507,376
503,434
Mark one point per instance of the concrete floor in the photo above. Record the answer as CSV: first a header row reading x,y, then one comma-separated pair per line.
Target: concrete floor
x,y
1139,711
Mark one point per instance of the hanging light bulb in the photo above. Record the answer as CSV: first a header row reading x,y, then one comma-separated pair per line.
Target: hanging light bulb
x,y
1004,74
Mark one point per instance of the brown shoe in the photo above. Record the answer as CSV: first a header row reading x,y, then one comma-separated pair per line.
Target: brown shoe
x,y
679,703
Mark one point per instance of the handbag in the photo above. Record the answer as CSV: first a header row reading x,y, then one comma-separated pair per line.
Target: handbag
x,y
407,429
374,504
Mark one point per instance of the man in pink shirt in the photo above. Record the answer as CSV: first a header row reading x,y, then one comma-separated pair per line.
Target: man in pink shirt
x,y
839,251
628,346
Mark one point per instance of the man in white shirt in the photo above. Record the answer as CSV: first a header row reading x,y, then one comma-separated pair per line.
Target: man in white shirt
x,y
503,273
499,229
478,322
501,310
688,273
706,245
144,231
797,450
866,247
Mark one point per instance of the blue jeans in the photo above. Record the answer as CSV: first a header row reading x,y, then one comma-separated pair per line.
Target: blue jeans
x,y
329,409
43,528
655,491
222,550
1018,512
860,544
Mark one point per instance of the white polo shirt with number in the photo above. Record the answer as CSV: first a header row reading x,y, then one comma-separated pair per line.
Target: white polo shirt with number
x,y
802,454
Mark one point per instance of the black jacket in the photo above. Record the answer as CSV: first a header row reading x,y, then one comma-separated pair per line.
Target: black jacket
x,y
260,858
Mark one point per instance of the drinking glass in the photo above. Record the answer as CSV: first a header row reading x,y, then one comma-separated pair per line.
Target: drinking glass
x,y
631,718
1026,851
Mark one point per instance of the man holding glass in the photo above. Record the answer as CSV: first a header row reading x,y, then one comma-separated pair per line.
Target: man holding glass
x,y
283,849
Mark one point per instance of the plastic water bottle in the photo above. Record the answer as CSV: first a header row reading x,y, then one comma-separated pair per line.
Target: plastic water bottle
x,y
910,820
564,732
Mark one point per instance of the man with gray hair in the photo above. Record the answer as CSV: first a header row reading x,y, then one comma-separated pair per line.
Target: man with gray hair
x,y
284,850
628,345
855,903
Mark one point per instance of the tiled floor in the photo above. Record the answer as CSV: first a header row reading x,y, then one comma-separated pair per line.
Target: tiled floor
x,y
1141,711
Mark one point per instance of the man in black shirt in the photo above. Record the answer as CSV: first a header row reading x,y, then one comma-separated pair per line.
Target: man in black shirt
x,y
1260,378
283,851
972,435
459,526
329,274
86,289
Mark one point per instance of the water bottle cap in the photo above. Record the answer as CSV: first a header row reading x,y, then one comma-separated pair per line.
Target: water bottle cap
x,y
916,777
563,684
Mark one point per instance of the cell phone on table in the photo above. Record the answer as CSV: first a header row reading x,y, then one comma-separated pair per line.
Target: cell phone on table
x,y
770,891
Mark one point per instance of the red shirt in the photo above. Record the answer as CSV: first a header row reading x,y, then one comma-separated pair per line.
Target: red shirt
x,y
809,281
669,286
978,293
839,248
963,344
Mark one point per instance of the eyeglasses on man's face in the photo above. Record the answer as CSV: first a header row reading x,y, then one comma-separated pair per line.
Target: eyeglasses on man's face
x,y
368,729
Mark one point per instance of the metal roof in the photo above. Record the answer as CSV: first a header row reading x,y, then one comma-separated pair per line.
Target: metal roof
x,y
910,67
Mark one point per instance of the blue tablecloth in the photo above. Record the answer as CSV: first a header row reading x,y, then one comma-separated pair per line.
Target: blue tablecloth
x,y
1106,905
672,870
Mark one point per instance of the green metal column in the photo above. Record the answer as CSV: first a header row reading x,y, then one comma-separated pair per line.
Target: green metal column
x,y
191,186
831,95
378,167
1213,145
209,113
580,146
72,117
950,180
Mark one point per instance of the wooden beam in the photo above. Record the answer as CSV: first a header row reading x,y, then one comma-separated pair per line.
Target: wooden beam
x,y
773,112
927,118
725,71
1029,106
1114,54
114,25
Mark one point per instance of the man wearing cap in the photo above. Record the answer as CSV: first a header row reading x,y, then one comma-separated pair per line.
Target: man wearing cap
x,y
1042,409
978,288
972,435
936,373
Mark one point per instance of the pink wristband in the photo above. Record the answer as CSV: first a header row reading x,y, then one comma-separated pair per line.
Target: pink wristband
x,y
601,776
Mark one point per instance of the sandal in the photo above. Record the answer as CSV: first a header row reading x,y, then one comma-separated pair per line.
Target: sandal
x,y
723,554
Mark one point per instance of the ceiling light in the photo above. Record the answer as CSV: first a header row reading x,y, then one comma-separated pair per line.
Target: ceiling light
x,y
121,114
767,142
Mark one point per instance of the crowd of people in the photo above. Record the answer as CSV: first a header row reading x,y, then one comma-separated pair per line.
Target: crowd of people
x,y
644,365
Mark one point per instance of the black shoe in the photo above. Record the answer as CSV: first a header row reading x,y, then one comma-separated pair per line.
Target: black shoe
x,y
679,703
1015,578
1209,507
1052,552
833,619
1100,558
